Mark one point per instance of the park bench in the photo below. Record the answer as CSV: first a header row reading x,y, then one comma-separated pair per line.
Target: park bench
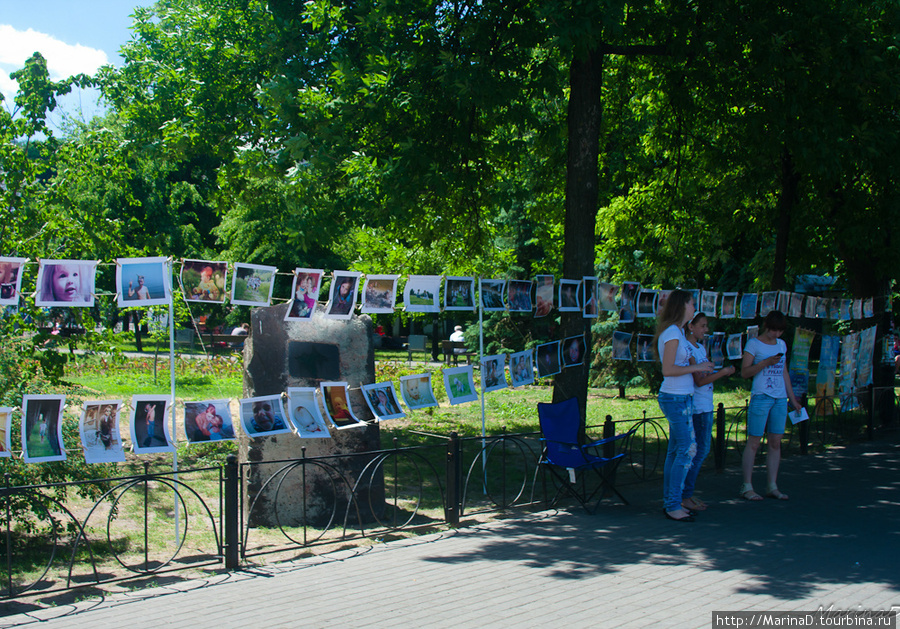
x,y
449,348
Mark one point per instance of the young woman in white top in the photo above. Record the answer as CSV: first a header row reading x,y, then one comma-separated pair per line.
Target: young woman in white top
x,y
695,331
675,398
764,360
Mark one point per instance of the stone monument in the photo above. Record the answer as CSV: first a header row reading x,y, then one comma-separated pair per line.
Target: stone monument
x,y
281,354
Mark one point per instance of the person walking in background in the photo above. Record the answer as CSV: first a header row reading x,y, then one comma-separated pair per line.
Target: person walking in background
x,y
695,332
764,360
676,398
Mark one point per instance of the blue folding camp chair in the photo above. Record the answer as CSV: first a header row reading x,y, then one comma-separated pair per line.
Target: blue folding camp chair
x,y
566,459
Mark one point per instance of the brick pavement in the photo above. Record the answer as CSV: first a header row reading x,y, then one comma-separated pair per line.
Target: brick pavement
x,y
834,543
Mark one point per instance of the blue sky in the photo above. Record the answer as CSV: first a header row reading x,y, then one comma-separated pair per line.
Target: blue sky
x,y
73,35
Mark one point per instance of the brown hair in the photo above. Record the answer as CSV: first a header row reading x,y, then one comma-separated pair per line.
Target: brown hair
x,y
672,313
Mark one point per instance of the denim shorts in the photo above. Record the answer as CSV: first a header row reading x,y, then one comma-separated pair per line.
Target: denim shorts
x,y
766,414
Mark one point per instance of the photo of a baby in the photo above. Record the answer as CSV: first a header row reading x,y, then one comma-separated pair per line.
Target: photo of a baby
x,y
305,414
10,280
65,283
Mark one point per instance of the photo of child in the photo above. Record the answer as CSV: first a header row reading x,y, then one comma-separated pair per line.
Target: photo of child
x,y
252,284
150,424
10,280
459,293
337,405
521,368
65,283
144,280
5,431
416,391
99,429
263,416
208,421
460,384
382,401
203,280
379,294
41,429
543,295
305,414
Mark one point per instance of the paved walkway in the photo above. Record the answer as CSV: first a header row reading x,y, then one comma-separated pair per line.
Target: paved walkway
x,y
835,543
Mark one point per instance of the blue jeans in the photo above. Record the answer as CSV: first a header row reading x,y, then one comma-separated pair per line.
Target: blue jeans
x,y
702,437
678,409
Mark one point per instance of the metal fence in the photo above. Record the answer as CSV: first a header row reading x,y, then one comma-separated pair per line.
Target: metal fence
x,y
66,535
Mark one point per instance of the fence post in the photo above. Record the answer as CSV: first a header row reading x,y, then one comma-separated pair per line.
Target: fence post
x,y
719,453
609,451
454,471
232,513
804,427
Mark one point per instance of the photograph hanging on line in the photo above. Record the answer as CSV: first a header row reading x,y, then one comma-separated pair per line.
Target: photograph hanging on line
x,y
548,363
715,345
543,295
809,307
590,298
708,300
342,298
422,293
65,283
204,280
646,303
645,348
459,293
150,424
304,294
573,351
768,302
822,307
263,416
729,306
621,342
857,309
252,284
796,307
416,391
99,429
519,295
459,383
784,301
607,294
41,428
144,280
733,348
493,373
337,406
752,332
521,368
305,413
209,420
11,271
568,295
382,400
491,294
628,301
5,431
379,294
748,305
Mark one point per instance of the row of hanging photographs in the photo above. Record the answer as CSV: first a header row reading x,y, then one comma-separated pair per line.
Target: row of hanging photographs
x,y
309,413
148,281
718,346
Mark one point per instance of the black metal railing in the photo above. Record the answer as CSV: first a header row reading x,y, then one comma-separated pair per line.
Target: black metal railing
x,y
152,523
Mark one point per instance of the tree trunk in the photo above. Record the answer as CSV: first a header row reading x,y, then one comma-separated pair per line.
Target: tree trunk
x,y
787,201
582,181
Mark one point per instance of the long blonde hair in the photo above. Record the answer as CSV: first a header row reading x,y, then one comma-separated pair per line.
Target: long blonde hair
x,y
671,314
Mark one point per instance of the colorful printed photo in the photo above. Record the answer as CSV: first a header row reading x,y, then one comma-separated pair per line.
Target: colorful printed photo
x,y
491,292
11,270
99,429
646,303
150,424
628,303
208,421
568,295
416,391
590,298
519,295
343,295
305,291
143,282
337,405
42,417
382,400
459,293
607,296
521,368
543,295
459,383
380,294
65,283
573,351
5,431
493,373
305,414
548,363
263,416
252,284
645,348
203,280
621,342
422,293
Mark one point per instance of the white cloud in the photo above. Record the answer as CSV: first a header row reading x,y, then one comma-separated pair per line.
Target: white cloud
x,y
63,60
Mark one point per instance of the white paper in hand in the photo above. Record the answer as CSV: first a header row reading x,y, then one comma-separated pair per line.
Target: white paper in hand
x,y
798,416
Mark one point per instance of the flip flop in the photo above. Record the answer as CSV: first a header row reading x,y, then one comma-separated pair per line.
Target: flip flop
x,y
751,495
777,495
